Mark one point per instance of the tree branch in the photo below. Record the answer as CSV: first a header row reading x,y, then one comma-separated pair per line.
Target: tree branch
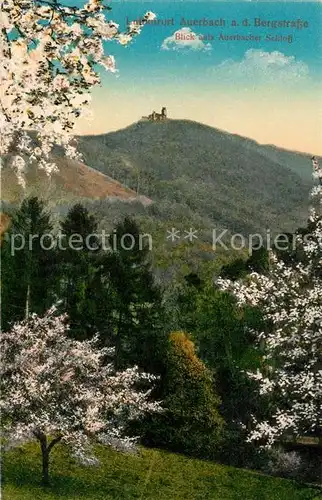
x,y
53,442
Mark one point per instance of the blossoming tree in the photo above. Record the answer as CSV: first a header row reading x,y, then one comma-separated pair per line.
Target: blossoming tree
x,y
50,54
290,297
57,389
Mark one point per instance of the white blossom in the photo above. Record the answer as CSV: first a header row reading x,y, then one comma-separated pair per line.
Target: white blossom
x,y
53,385
49,55
289,297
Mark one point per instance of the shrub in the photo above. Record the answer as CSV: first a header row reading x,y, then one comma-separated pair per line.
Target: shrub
x,y
285,464
191,423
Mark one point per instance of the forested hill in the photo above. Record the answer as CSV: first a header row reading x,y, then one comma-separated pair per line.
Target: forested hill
x,y
233,181
188,170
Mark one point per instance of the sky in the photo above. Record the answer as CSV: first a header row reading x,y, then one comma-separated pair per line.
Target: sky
x,y
267,88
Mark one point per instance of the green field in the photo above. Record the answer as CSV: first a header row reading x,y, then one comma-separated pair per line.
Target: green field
x,y
149,475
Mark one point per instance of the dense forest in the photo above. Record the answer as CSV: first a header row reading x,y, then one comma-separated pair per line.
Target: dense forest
x,y
193,335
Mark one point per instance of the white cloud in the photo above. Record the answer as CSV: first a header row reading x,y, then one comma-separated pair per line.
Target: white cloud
x,y
260,66
185,39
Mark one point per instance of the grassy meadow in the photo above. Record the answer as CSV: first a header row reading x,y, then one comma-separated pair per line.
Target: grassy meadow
x,y
149,475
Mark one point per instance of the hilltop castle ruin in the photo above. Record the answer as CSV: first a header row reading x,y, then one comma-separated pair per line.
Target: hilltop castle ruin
x,y
156,117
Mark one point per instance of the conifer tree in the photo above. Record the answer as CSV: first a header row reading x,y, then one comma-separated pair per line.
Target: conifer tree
x,y
138,330
29,265
82,292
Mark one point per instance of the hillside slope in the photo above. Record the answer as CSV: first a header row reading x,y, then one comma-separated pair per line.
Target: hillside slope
x,y
150,475
74,181
231,180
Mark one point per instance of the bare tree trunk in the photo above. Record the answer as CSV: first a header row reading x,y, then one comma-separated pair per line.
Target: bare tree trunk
x,y
45,462
27,302
138,184
45,451
117,359
42,438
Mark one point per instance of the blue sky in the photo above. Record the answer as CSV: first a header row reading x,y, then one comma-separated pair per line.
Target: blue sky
x,y
305,47
257,88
